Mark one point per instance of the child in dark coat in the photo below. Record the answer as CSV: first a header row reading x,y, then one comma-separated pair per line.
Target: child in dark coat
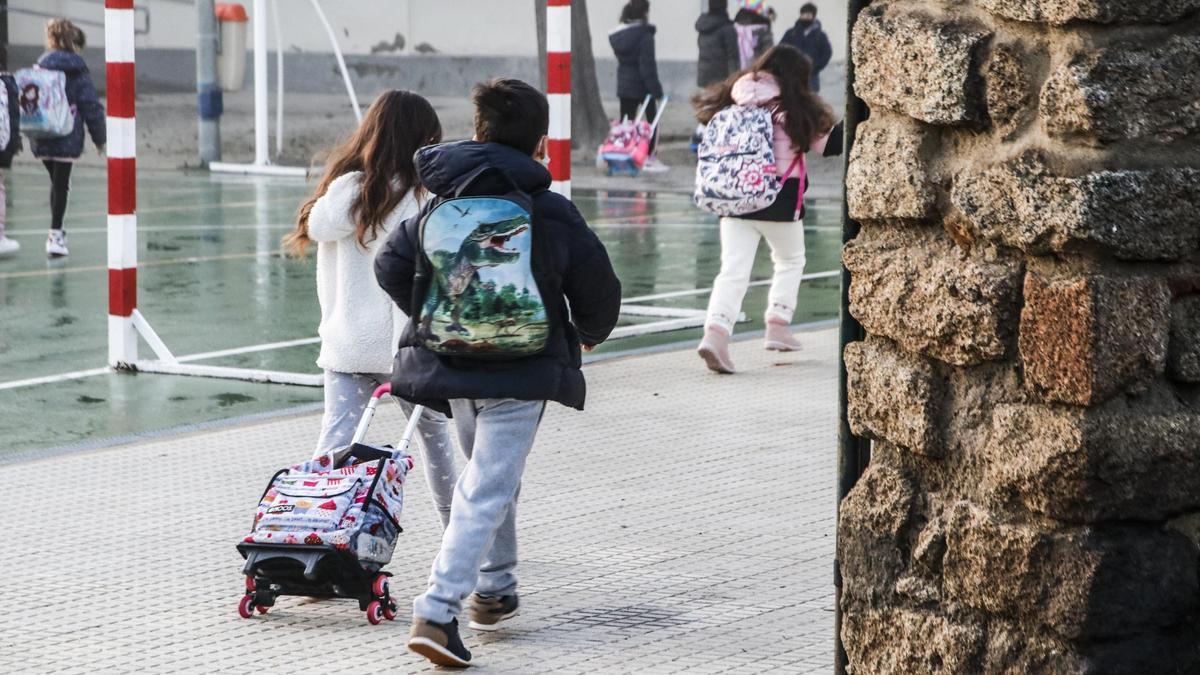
x,y
9,246
64,41
497,403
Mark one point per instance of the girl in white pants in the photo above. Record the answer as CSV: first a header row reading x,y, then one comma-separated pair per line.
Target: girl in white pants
x,y
370,187
779,80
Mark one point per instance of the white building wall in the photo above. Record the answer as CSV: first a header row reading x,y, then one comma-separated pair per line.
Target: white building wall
x,y
452,27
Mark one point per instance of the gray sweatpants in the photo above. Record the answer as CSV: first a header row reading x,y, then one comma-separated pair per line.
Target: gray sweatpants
x,y
479,546
346,397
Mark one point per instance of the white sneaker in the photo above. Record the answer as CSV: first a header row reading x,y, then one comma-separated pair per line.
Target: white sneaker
x,y
654,166
56,244
8,246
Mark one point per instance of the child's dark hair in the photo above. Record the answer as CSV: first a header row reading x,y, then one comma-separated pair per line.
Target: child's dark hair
x,y
510,112
808,8
635,10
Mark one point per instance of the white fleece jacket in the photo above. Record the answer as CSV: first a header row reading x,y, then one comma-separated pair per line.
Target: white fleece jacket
x,y
360,325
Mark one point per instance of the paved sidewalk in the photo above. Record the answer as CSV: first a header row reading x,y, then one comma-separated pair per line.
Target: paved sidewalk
x,y
684,523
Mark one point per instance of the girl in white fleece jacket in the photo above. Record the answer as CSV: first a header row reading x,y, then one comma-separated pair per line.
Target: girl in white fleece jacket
x,y
778,81
370,187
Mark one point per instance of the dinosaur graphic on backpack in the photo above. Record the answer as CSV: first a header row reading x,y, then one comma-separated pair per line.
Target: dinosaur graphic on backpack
x,y
482,298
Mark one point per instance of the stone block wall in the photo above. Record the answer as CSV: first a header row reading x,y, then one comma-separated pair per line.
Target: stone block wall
x,y
1028,273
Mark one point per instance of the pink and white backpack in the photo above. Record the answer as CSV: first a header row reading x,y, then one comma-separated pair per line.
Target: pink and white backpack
x,y
736,171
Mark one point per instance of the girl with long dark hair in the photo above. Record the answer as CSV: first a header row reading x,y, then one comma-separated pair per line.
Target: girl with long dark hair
x,y
779,81
370,186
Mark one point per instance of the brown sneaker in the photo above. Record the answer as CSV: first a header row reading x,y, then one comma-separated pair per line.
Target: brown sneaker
x,y
779,338
714,349
439,642
488,612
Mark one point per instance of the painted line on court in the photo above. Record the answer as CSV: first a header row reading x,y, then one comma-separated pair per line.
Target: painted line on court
x,y
152,263
701,291
164,209
162,228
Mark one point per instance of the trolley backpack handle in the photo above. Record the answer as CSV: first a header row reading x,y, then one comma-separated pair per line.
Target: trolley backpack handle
x,y
410,428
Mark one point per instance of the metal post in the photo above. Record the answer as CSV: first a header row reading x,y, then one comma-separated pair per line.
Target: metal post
x,y
209,98
261,121
854,453
3,35
122,182
558,91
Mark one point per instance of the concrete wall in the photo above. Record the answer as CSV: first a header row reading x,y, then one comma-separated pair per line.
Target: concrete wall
x,y
166,61
1028,274
456,28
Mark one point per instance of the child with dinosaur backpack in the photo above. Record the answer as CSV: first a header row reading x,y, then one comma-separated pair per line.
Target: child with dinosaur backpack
x,y
370,186
505,283
752,172
10,145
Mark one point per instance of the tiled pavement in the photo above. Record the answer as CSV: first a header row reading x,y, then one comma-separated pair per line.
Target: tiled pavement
x,y
684,523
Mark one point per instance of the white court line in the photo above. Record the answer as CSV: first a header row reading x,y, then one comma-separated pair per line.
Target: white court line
x,y
161,209
247,350
160,228
51,379
143,263
702,291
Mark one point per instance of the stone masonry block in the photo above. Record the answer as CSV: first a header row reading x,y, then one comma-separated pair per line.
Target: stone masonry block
x,y
919,65
918,289
871,532
1080,583
1111,463
1084,339
1099,11
1127,91
910,641
1009,89
1137,215
894,396
888,176
1183,353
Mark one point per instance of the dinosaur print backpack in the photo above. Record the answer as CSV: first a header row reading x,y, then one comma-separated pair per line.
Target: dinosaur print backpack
x,y
736,174
482,299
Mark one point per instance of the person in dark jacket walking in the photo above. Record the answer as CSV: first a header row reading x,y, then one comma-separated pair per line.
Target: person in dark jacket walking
x,y
808,36
64,41
9,246
718,44
497,404
637,68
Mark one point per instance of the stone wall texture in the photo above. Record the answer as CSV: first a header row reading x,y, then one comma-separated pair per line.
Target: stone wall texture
x,y
1028,274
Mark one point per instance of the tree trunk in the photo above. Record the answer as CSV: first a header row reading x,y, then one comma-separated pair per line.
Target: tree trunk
x,y
589,123
539,11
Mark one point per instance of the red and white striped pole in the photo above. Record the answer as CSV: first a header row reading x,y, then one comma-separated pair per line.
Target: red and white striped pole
x,y
122,182
558,91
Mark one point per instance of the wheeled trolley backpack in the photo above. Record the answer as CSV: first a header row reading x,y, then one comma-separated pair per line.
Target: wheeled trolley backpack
x,y
627,146
326,528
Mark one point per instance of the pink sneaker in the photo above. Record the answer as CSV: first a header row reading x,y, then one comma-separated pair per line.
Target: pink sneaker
x,y
714,349
779,337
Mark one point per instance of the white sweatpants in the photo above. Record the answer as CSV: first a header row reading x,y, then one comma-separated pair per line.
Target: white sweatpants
x,y
739,244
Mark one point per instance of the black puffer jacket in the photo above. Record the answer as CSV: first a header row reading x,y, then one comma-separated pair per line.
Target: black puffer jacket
x,y
637,69
574,276
717,40
14,121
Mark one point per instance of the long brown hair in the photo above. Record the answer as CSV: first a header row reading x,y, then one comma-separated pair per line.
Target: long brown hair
x,y
63,35
805,115
394,128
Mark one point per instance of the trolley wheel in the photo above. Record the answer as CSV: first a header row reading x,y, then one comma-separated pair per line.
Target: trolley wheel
x,y
246,606
249,584
379,587
389,610
262,609
375,612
